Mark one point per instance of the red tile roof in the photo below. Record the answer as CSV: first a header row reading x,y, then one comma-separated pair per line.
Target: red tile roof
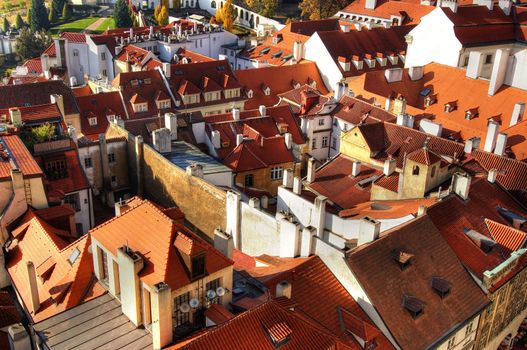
x,y
410,11
218,314
356,111
263,323
12,148
38,242
162,259
187,56
257,154
134,55
279,80
387,285
36,114
509,238
8,312
424,156
99,106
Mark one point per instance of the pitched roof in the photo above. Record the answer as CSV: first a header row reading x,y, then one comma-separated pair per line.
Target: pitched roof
x,y
8,311
410,11
424,156
147,230
279,80
263,324
99,106
13,149
256,154
37,114
387,285
63,284
356,111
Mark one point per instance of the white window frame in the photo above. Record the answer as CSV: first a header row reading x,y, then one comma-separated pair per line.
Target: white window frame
x,y
277,173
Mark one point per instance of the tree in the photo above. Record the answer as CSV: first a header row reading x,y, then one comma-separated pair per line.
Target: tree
x,y
318,9
163,16
30,44
265,8
39,16
226,15
122,15
157,10
53,16
19,22
5,25
43,133
66,11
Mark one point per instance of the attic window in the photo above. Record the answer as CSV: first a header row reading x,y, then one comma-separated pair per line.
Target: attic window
x,y
198,266
220,69
471,113
425,92
134,82
265,50
483,242
287,58
441,286
430,100
278,332
74,255
413,305
403,259
516,220
450,106
92,121
277,54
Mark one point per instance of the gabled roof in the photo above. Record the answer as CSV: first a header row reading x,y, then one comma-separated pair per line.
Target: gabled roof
x,y
99,106
424,156
411,12
387,285
148,231
37,114
356,111
63,284
257,154
13,149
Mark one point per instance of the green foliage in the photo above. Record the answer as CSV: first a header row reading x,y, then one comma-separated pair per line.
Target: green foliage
x,y
318,9
5,25
39,16
66,11
52,17
263,7
122,15
30,44
19,22
43,133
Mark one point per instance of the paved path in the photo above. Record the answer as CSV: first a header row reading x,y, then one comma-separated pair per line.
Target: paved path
x,y
94,25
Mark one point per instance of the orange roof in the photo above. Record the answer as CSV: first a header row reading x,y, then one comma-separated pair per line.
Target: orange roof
x,y
218,314
12,148
147,230
99,106
39,242
424,156
133,54
411,12
509,238
279,80
186,56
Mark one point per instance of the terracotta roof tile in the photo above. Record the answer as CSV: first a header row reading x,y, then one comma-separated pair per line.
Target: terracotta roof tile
x,y
509,238
12,148
424,156
410,11
8,312
99,106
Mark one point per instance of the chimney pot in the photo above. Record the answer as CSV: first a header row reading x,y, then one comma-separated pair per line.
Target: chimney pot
x,y
311,171
492,175
355,171
297,185
369,230
389,166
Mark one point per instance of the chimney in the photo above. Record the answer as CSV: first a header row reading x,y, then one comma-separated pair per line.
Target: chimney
x,y
505,6
393,75
369,230
492,175
287,181
345,63
264,201
131,33
405,120
470,145
311,171
262,110
239,139
130,264
15,116
235,114
151,33
254,203
492,134
297,185
370,4
461,184
421,210
166,69
389,166
399,105
44,61
118,207
488,3
355,171
171,124
72,132
288,138
340,90
59,101
19,339
501,144
118,49
223,242
517,113
298,50
499,69
161,140
345,28
284,289
215,139
195,170
415,73
33,287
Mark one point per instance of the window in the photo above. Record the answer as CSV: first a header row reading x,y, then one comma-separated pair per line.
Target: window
x,y
114,180
213,285
465,63
104,73
334,143
164,104
74,255
325,140
92,121
314,143
103,57
415,170
73,200
111,158
198,266
468,330
75,53
345,127
87,163
451,342
181,317
56,169
104,265
249,180
321,121
277,173
488,59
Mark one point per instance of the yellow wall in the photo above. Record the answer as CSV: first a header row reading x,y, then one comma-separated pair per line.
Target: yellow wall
x,y
262,177
353,144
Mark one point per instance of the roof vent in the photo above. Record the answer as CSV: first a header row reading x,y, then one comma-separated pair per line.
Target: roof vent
x,y
450,106
441,286
483,242
413,305
471,113
402,258
278,332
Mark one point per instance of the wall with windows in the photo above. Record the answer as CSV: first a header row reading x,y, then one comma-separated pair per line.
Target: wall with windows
x,y
319,134
82,202
268,179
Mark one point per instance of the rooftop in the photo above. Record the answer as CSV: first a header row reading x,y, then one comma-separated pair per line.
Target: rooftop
x,y
411,12
184,154
99,106
14,154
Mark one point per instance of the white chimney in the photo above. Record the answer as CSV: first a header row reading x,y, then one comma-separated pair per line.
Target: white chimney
x,y
461,184
517,113
166,69
488,3
44,59
341,90
215,139
151,33
311,170
72,132
262,110
298,50
429,127
370,4
421,210
389,166
287,180
284,289
254,203
171,124
501,144
264,201
355,170
345,28
59,101
33,287
15,116
393,75
161,140
297,185
195,170
223,242
239,139
288,138
369,230
492,134
415,73
235,114
492,175
505,6
131,33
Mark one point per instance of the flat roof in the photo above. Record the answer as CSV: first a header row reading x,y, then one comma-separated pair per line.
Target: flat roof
x,y
184,154
98,322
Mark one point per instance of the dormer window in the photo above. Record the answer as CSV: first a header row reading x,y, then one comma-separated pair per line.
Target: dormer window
x,y
250,93
471,113
278,332
357,62
430,100
140,107
198,266
403,259
92,121
415,170
266,90
369,60
163,104
393,59
413,305
450,106
441,286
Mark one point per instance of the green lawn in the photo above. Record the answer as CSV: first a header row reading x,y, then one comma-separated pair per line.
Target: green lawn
x,y
75,26
108,22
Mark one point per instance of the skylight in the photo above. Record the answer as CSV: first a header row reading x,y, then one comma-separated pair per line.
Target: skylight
x,y
413,305
74,256
441,286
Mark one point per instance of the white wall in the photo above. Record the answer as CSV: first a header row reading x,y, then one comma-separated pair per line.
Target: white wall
x,y
260,232
314,50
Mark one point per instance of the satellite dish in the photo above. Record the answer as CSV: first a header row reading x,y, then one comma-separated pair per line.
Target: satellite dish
x,y
194,303
211,294
220,291
184,307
